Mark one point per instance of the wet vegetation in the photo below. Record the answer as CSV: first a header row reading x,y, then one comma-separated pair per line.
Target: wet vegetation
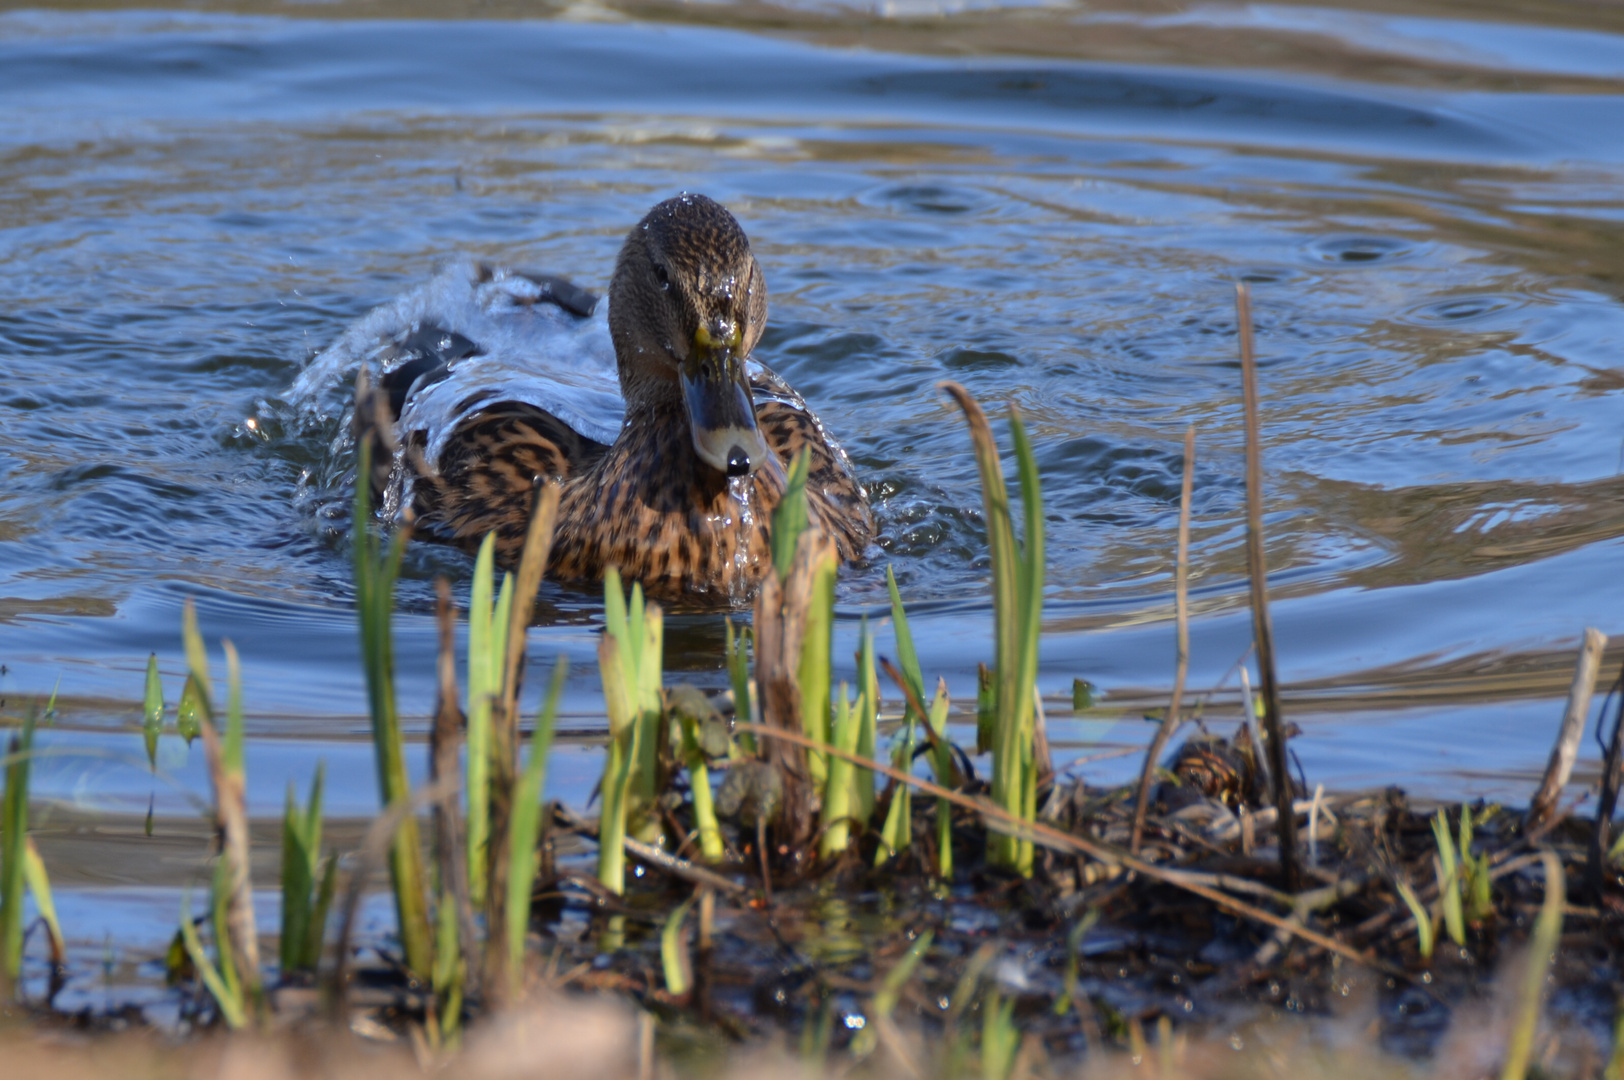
x,y
771,867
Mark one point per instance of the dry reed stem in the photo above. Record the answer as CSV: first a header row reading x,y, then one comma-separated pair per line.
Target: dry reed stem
x,y
780,621
445,746
538,542
375,844
1566,751
231,804
1058,840
1181,616
1262,627
1612,778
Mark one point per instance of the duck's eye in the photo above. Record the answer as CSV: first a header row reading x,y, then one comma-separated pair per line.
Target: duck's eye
x,y
661,273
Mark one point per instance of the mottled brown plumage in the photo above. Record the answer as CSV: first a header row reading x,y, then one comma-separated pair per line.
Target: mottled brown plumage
x,y
670,503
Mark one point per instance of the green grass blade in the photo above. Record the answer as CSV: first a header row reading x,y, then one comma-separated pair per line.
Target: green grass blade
x,y
13,840
39,886
616,760
1424,932
643,818
692,712
1029,609
189,713
1449,880
790,517
815,669
1000,1038
674,959
889,993
482,688
907,658
525,828
229,1001
868,684
316,930
942,760
1542,946
297,885
301,865
152,711
837,797
374,586
197,661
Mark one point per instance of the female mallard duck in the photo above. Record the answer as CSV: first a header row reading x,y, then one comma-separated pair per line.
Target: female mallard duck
x,y
490,387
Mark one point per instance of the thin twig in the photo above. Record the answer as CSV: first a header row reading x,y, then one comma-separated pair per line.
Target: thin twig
x,y
690,872
1566,750
1262,628
1181,615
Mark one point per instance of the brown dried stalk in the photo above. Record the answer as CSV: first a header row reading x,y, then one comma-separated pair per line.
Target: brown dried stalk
x,y
1181,615
780,622
1262,627
445,745
1566,751
231,804
538,542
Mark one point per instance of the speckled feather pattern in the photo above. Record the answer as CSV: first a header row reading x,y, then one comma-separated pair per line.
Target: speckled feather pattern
x,y
646,506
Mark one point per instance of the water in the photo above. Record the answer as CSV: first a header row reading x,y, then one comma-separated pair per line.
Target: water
x,y
1428,207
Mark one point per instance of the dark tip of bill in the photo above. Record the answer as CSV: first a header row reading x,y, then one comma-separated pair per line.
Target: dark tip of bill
x,y
738,462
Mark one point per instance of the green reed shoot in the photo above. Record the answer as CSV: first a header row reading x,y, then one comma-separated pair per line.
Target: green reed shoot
x,y
39,886
1000,1038
868,685
1476,878
1017,585
1447,868
1615,1061
674,960
1542,946
696,719
233,977
890,992
898,826
630,663
1074,952
307,883
375,574
839,798
525,827
1425,932
152,711
487,652
791,517
227,997
13,848
483,684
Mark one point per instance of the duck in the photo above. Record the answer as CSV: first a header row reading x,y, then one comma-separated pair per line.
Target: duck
x,y
490,381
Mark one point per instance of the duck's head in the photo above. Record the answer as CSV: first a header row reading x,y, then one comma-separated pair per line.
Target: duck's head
x,y
686,306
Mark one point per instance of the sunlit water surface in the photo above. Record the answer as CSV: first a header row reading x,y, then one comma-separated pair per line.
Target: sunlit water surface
x,y
191,206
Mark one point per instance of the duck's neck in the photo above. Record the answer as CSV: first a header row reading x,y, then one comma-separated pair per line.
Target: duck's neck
x,y
654,453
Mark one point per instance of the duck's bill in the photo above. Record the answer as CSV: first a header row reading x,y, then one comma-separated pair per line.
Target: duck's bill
x,y
721,416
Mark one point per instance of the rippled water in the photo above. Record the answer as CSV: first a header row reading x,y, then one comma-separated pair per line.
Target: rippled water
x,y
1429,209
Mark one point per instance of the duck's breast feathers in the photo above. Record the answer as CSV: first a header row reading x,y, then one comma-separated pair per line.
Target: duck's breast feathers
x,y
472,335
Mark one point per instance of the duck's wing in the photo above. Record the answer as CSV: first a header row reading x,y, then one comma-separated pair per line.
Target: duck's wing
x,y
473,334
476,354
